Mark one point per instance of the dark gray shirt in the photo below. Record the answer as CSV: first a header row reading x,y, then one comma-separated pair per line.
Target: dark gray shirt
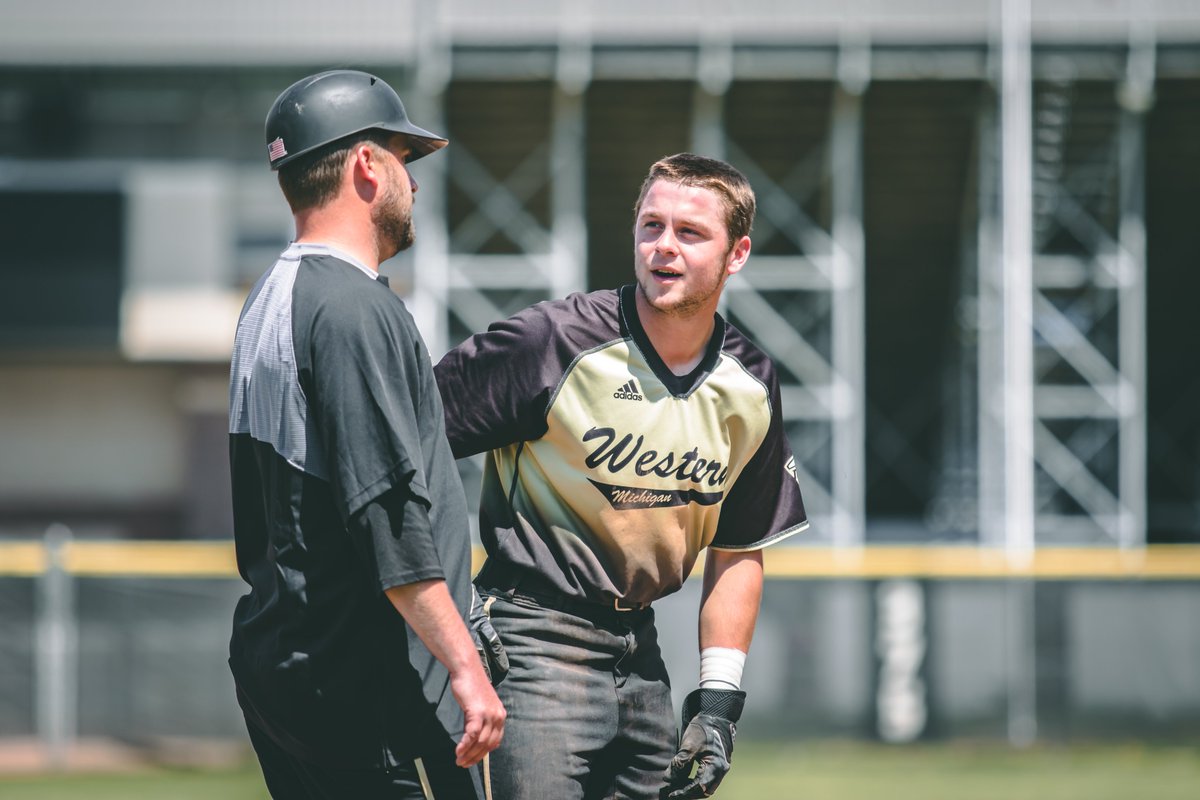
x,y
343,486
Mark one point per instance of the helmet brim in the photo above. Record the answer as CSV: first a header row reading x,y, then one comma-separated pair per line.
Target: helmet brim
x,y
420,140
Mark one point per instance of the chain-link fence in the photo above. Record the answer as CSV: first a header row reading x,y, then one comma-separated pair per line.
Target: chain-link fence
x,y
128,641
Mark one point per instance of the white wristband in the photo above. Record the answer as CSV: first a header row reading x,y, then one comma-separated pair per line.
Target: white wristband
x,y
721,668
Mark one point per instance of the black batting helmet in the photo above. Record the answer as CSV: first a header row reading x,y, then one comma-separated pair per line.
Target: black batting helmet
x,y
328,106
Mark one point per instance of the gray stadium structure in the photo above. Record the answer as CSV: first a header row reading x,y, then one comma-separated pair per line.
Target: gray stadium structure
x,y
973,264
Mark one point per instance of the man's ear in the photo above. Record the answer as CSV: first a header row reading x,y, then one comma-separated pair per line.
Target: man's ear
x,y
738,256
365,167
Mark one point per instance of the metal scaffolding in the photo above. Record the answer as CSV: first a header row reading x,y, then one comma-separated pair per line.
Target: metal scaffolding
x,y
460,286
822,379
1060,413
1062,255
823,370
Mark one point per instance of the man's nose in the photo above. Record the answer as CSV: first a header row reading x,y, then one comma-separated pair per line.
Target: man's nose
x,y
666,242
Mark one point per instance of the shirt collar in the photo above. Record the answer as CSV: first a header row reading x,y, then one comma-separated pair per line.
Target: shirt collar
x,y
298,249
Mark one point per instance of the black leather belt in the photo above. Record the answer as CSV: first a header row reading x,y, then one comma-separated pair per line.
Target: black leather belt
x,y
573,605
516,585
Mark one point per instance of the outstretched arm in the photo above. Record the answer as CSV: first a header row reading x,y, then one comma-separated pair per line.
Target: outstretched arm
x,y
430,611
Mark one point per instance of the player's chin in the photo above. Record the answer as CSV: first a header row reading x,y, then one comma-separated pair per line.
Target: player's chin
x,y
661,293
672,301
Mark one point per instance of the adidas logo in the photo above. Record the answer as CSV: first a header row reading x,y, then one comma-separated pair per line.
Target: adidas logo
x,y
790,468
628,392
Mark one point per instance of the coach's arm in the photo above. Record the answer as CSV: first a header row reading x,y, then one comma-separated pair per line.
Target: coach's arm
x,y
429,610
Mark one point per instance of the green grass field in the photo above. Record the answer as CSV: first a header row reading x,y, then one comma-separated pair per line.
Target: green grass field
x,y
829,771
805,771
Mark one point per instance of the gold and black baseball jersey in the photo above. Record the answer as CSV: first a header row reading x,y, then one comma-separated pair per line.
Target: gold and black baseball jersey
x,y
608,474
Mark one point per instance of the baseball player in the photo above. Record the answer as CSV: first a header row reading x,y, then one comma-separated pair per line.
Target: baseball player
x,y
354,667
626,431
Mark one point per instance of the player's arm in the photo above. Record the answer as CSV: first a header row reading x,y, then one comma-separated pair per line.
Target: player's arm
x,y
495,385
733,582
429,610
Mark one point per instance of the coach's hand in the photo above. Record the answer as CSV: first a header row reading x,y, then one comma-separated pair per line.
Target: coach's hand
x,y
431,612
709,717
487,643
483,714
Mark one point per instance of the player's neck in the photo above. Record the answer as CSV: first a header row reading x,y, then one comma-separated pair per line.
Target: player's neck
x,y
331,227
680,341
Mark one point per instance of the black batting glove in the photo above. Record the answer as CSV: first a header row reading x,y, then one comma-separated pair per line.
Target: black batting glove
x,y
709,717
487,641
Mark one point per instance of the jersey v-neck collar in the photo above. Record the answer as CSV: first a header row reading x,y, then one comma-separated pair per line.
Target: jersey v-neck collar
x,y
678,385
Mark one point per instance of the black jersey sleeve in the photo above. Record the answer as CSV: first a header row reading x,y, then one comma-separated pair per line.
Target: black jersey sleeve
x,y
360,367
393,538
764,505
497,385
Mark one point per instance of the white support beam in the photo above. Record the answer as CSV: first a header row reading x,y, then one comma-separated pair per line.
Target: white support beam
x,y
568,240
1016,240
56,653
849,303
1137,97
714,72
431,251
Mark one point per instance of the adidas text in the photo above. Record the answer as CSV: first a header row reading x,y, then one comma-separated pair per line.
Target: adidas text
x,y
628,392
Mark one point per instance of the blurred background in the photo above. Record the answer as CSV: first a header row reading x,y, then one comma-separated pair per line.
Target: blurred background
x,y
974,265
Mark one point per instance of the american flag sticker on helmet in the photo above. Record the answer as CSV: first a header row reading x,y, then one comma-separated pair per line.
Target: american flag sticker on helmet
x,y
276,150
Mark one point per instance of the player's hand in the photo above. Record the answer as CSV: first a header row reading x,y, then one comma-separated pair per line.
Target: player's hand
x,y
709,717
482,712
487,642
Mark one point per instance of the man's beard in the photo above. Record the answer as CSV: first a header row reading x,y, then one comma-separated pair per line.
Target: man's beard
x,y
393,222
683,307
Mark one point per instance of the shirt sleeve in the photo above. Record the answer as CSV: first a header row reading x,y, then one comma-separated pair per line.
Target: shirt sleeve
x,y
393,537
764,506
364,391
496,386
